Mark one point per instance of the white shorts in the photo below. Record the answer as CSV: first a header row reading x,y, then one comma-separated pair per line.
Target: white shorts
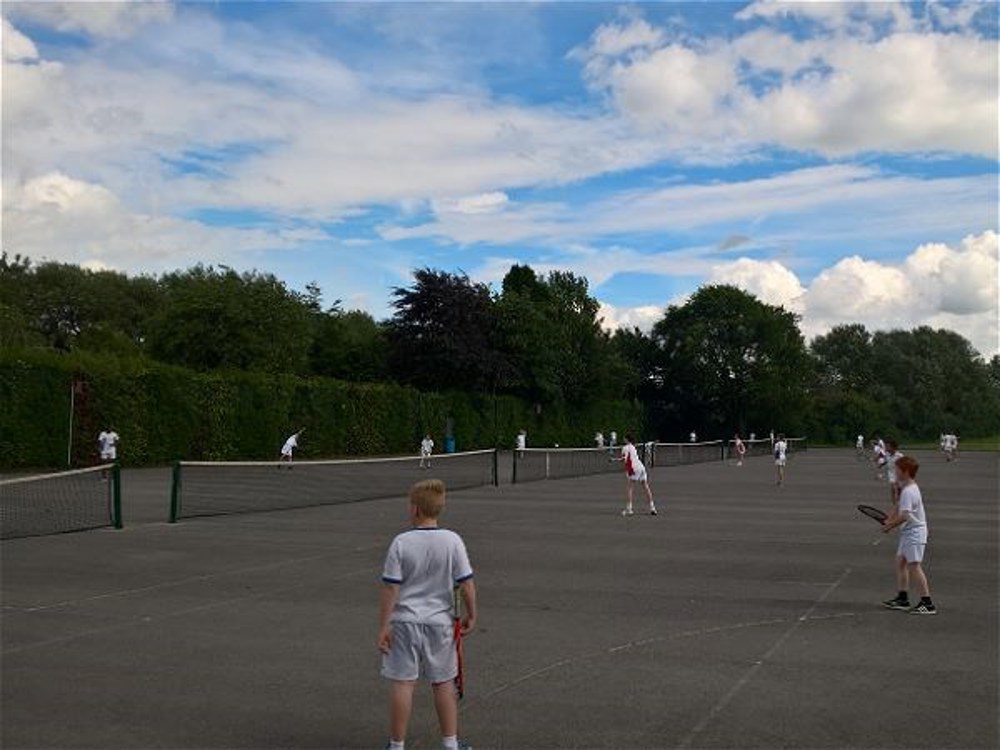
x,y
420,650
911,547
638,476
109,454
780,461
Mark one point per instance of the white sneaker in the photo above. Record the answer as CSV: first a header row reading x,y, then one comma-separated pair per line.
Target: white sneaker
x,y
628,512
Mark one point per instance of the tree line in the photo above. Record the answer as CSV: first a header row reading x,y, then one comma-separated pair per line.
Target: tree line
x,y
719,363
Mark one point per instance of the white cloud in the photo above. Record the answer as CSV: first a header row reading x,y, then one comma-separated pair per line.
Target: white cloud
x,y
484,203
912,90
56,217
937,285
769,281
102,19
643,317
16,46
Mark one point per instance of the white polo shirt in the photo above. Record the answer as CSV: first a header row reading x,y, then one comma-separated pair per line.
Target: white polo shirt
x,y
426,564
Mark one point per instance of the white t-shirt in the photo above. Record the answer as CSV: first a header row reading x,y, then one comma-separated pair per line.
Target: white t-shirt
x,y
740,447
290,445
780,451
107,441
522,439
427,564
912,502
633,466
426,446
890,465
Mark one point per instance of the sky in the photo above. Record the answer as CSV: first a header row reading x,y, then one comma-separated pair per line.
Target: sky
x,y
839,160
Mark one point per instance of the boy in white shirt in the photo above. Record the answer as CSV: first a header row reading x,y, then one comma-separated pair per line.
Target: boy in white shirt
x,y
107,443
780,457
426,448
416,631
289,446
909,514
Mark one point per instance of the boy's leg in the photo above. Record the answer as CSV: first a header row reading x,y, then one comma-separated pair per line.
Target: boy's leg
x,y
446,705
400,705
902,574
916,570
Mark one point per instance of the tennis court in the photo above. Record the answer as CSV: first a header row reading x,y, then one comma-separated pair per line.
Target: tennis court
x,y
744,615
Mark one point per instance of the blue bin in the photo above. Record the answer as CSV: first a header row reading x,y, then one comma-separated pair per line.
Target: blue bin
x,y
449,445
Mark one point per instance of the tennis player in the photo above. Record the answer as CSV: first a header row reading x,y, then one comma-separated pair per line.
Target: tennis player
x,y
892,455
521,442
416,635
426,449
910,516
780,458
289,447
635,473
741,449
107,444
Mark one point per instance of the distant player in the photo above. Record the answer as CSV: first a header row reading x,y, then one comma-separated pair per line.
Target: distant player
x,y
950,447
859,447
599,439
635,473
892,454
740,448
878,457
289,447
780,458
107,445
521,443
426,449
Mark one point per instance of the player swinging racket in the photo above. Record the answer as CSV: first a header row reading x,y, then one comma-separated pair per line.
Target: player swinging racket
x,y
635,473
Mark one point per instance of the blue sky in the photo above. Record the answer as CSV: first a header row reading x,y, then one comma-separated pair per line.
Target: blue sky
x,y
837,159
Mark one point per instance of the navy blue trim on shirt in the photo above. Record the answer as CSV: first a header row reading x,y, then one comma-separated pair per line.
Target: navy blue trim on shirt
x,y
463,578
397,581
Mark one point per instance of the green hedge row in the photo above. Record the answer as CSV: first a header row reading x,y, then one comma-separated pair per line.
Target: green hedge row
x,y
165,413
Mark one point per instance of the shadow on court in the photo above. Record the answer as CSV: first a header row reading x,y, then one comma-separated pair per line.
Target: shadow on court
x,y
745,615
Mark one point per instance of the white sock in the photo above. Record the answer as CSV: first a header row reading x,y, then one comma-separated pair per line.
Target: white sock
x,y
449,743
393,745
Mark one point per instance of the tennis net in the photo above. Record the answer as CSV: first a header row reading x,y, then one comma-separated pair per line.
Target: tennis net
x,y
61,502
211,488
678,454
765,446
533,464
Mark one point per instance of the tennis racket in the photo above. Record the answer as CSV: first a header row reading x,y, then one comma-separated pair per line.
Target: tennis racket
x,y
875,513
457,624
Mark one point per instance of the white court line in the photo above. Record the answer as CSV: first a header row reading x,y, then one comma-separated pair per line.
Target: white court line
x,y
749,674
175,613
611,650
171,584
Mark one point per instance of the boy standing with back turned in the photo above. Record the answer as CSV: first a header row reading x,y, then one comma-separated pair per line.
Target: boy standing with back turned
x,y
416,635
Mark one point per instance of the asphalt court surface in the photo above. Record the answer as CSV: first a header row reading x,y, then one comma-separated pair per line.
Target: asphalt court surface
x,y
745,615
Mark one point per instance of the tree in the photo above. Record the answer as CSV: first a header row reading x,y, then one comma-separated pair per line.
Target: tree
x,y
349,346
219,319
442,333
726,361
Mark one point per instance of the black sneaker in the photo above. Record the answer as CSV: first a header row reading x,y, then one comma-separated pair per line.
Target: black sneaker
x,y
897,603
924,608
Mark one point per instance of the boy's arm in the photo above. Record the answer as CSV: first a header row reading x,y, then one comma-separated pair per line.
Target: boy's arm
x,y
467,590
896,518
387,602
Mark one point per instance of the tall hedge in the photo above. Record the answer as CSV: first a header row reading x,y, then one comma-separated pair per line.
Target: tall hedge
x,y
165,413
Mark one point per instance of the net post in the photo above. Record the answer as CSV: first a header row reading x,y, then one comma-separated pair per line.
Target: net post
x,y
116,495
175,492
513,463
496,467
